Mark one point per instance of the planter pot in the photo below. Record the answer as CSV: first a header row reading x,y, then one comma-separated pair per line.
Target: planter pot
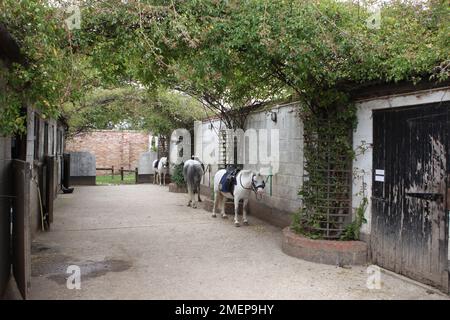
x,y
173,187
333,252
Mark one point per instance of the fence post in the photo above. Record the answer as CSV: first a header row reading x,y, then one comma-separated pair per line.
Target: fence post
x,y
136,175
121,173
112,172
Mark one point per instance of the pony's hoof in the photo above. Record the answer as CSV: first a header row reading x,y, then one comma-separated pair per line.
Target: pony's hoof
x,y
214,215
237,224
245,223
224,216
189,204
194,206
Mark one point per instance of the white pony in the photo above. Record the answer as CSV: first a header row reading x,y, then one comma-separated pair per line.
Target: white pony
x,y
161,170
246,182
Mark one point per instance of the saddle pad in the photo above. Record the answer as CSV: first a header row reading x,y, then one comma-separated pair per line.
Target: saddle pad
x,y
228,181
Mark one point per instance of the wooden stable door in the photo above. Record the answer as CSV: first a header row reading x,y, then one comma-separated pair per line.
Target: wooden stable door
x,y
21,235
409,212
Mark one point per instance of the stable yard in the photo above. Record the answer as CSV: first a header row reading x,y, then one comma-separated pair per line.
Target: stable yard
x,y
142,242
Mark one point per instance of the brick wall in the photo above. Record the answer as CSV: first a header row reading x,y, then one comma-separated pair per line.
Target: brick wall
x,y
118,148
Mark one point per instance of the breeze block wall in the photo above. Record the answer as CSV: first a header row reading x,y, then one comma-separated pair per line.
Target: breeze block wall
x,y
118,148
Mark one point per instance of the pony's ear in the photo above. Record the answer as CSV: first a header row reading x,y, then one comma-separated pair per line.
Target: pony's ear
x,y
256,174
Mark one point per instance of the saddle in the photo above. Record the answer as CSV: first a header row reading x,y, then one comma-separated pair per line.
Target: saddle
x,y
228,180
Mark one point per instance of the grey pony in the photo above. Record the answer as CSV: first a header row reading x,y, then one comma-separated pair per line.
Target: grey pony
x,y
193,172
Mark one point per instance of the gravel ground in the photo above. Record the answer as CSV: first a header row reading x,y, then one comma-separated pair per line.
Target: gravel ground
x,y
142,242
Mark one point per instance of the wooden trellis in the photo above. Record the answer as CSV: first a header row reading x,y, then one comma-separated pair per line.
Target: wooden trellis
x,y
328,187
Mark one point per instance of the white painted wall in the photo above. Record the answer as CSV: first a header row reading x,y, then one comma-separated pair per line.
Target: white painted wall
x,y
363,139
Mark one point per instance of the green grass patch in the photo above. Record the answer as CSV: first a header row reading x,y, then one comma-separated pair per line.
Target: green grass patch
x,y
128,178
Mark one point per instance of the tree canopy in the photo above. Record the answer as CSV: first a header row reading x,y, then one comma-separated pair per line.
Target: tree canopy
x,y
132,108
225,54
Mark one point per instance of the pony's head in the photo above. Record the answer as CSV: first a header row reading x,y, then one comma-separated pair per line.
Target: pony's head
x,y
164,162
258,183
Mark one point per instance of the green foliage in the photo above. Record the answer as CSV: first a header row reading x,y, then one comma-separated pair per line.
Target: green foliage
x,y
177,175
132,108
169,110
226,54
299,226
352,230
48,76
105,109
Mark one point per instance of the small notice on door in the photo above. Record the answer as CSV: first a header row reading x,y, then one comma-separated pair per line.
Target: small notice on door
x,y
379,175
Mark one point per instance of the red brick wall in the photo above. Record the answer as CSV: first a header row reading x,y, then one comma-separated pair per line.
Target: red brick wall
x,y
111,147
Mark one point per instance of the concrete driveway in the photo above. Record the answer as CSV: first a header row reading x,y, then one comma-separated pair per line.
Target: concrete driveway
x,y
142,242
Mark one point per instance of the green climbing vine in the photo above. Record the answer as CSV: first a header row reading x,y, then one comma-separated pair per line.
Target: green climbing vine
x,y
177,175
328,155
352,230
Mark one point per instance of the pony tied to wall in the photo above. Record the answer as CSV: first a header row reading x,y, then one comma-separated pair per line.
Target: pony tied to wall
x,y
236,185
193,171
161,168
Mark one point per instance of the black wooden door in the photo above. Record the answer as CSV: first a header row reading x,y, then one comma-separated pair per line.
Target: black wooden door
x,y
21,242
409,215
6,198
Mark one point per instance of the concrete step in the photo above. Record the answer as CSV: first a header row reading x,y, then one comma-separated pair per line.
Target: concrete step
x,y
208,205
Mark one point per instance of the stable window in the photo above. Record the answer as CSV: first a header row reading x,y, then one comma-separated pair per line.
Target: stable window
x,y
180,151
228,149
